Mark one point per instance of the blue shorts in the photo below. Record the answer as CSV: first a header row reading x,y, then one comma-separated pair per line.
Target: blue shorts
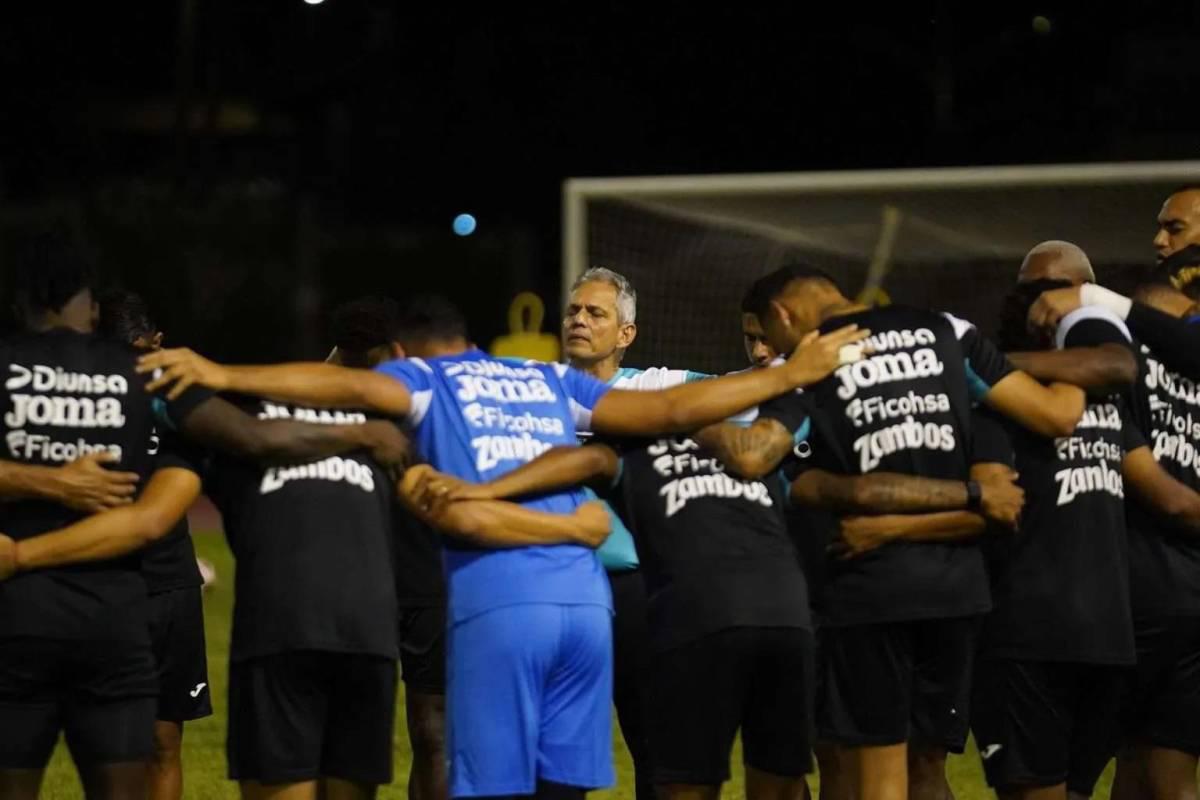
x,y
528,696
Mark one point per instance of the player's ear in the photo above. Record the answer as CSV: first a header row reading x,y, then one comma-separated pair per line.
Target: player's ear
x,y
156,341
780,312
396,350
625,335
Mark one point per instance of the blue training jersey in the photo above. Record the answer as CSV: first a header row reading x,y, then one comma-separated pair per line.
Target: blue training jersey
x,y
478,417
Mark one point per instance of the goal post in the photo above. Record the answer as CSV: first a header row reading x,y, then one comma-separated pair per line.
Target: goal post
x,y
949,238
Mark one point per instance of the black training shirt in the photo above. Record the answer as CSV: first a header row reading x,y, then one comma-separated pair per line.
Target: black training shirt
x,y
314,549
66,395
714,548
1060,585
1164,562
905,408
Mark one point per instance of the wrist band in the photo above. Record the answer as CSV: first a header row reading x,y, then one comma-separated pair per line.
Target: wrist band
x,y
1092,295
974,496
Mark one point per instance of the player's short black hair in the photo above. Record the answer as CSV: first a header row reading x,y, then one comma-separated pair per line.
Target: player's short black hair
x,y
431,318
770,286
124,316
1013,334
47,271
365,323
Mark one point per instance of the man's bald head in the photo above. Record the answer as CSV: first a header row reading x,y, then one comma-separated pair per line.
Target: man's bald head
x,y
1178,222
1056,261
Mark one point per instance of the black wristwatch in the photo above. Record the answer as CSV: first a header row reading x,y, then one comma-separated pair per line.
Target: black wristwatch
x,y
974,496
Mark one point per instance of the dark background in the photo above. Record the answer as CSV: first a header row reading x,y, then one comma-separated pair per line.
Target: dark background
x,y
247,164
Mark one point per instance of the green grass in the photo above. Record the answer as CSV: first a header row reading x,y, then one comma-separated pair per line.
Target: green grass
x,y
204,741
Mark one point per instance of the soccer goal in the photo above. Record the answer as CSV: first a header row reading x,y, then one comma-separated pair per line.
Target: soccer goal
x,y
943,238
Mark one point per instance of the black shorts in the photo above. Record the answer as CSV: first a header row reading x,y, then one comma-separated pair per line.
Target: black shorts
x,y
101,694
423,649
177,638
305,715
1042,723
1163,709
757,679
896,682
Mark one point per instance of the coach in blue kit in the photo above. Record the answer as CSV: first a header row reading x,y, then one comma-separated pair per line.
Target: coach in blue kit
x,y
530,669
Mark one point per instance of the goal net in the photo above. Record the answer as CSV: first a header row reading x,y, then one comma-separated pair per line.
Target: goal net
x,y
950,239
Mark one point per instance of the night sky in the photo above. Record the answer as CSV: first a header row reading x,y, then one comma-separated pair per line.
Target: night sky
x,y
399,116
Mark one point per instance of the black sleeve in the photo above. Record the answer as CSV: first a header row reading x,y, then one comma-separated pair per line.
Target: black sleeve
x,y
1092,326
176,452
171,414
790,409
986,365
990,440
1175,341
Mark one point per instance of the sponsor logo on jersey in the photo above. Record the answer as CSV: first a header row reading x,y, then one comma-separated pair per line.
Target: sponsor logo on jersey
x,y
64,412
674,457
682,490
867,410
41,378
499,382
873,447
885,368
316,416
25,446
1075,481
491,451
1160,379
335,469
479,415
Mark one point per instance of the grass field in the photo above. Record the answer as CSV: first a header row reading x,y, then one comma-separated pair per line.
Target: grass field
x,y
204,741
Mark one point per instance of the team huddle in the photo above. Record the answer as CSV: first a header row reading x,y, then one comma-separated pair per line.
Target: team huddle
x,y
890,532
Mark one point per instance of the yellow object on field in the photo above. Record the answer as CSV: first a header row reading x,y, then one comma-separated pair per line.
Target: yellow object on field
x,y
525,338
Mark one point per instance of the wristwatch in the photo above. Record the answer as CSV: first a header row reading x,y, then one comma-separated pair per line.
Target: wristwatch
x,y
974,496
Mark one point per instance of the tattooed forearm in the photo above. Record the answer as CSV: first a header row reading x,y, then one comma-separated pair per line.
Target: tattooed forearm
x,y
878,493
750,452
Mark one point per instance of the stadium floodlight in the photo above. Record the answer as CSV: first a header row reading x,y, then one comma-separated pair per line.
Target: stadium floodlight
x,y
948,237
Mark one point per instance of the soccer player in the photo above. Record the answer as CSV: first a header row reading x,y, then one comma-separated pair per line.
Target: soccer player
x,y
598,326
1163,759
529,675
758,350
1057,646
367,332
75,653
898,630
173,585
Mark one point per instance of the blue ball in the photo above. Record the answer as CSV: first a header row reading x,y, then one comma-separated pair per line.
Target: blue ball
x,y
464,224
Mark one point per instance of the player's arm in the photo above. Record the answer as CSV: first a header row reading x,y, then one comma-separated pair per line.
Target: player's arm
x,y
750,451
322,385
1094,351
1159,491
1102,370
110,534
219,424
1049,411
862,534
879,493
495,523
1176,341
84,484
557,468
689,406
